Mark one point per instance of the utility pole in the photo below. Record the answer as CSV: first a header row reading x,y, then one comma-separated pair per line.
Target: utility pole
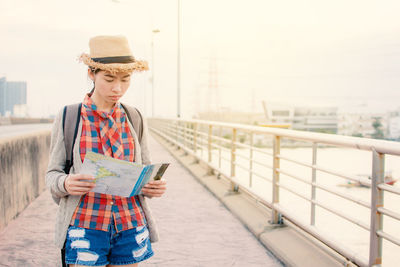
x,y
155,31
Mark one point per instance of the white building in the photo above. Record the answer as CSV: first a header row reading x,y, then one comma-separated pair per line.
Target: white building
x,y
319,119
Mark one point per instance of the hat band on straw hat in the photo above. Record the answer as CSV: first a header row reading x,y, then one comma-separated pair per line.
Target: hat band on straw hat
x,y
109,60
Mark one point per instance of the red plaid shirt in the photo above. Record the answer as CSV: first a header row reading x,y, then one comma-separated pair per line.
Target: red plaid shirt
x,y
108,134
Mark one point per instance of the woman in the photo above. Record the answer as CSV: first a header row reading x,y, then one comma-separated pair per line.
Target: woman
x,y
99,229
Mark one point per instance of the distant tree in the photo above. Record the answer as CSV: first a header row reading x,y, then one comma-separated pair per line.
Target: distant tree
x,y
378,134
227,136
357,135
328,131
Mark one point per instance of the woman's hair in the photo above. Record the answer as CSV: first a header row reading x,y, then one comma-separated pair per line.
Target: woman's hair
x,y
94,71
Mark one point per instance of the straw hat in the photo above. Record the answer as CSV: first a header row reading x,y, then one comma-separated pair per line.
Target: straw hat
x,y
112,53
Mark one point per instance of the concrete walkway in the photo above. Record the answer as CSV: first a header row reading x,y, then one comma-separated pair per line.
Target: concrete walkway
x,y
195,228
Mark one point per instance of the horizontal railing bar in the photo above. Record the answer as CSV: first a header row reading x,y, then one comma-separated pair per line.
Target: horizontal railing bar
x,y
241,155
343,195
172,140
242,166
187,137
240,145
381,146
171,128
325,188
261,176
243,145
294,161
262,151
389,188
189,130
326,170
334,211
293,192
390,213
388,237
293,176
216,153
202,133
344,216
179,126
221,139
262,164
221,147
342,175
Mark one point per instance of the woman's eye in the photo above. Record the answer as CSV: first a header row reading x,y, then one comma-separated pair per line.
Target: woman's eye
x,y
109,81
125,81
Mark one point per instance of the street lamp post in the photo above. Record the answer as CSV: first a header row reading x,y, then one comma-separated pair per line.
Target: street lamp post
x,y
155,31
179,63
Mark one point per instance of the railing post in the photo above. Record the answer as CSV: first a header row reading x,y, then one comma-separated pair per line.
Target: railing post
x,y
201,144
314,179
184,134
219,148
378,174
275,180
233,157
251,161
195,138
209,143
209,149
176,134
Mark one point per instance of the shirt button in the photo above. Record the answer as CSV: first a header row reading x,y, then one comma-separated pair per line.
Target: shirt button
x,y
112,202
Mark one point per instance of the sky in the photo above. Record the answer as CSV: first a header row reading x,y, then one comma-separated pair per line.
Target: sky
x,y
315,52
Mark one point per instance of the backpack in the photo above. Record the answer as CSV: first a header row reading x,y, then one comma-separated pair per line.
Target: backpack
x,y
72,116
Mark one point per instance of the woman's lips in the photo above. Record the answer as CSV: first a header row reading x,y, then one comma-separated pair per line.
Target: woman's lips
x,y
115,97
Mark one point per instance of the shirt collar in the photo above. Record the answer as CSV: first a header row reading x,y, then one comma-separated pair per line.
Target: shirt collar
x,y
114,112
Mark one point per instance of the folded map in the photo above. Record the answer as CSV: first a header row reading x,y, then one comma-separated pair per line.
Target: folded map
x,y
119,177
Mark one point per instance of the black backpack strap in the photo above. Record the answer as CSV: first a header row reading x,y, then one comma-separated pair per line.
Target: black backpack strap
x,y
63,263
71,118
136,119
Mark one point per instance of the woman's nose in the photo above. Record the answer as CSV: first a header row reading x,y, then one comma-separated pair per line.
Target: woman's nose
x,y
117,87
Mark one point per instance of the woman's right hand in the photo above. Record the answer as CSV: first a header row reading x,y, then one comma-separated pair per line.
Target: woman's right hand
x,y
79,184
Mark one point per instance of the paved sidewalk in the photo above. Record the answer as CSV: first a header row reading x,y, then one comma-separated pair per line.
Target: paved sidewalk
x,y
195,228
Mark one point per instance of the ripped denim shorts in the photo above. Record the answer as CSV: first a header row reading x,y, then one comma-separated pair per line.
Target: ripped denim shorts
x,y
97,248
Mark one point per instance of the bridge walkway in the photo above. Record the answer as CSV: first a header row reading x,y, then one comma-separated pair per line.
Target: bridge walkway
x,y
195,228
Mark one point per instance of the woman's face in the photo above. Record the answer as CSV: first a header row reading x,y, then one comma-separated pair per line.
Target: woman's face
x,y
110,87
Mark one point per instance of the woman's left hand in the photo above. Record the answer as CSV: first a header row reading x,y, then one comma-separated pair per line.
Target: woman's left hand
x,y
155,188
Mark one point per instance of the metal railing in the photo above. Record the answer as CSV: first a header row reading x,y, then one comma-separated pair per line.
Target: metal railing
x,y
204,139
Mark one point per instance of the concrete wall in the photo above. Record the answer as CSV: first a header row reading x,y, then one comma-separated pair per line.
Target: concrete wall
x,y
16,120
5,121
23,163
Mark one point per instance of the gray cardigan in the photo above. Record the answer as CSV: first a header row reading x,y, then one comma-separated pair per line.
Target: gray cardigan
x,y
55,177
